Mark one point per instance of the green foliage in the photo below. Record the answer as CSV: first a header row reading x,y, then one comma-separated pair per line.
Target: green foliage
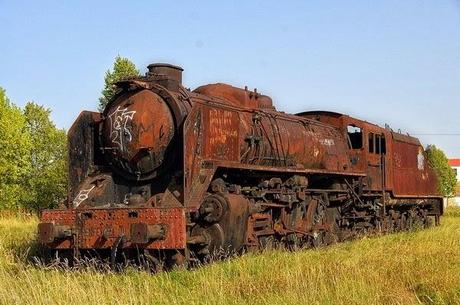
x,y
122,68
446,176
33,153
15,147
47,179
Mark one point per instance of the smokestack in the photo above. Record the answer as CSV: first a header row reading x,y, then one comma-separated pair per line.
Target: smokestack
x,y
167,75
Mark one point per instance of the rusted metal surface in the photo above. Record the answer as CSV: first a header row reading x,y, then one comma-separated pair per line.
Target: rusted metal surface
x,y
266,137
226,229
83,153
133,140
99,228
412,174
166,75
255,139
166,168
236,96
406,172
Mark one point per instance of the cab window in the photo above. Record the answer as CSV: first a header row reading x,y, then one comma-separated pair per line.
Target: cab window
x,y
355,137
377,144
382,147
371,142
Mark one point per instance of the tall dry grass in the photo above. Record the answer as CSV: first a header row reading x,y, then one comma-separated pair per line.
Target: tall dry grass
x,y
420,267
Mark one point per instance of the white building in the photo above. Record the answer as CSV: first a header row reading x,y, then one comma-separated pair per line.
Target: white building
x,y
455,164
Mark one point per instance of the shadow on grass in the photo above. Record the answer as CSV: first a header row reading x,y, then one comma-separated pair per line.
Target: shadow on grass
x,y
28,252
426,294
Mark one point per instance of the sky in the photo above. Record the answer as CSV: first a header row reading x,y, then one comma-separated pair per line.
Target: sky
x,y
388,62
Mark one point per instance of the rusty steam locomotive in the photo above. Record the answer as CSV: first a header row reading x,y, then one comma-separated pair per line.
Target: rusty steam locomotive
x,y
178,174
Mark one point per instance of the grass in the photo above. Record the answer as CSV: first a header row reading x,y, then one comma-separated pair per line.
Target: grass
x,y
420,267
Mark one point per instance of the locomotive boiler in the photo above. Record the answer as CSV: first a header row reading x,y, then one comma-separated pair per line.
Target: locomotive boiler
x,y
177,175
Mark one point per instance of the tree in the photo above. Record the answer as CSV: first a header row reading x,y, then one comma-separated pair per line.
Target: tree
x,y
33,172
15,147
47,178
122,68
447,179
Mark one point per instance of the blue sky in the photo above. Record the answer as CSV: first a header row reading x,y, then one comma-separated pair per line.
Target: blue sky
x,y
395,62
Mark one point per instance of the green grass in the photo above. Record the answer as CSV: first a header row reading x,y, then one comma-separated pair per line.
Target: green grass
x,y
420,267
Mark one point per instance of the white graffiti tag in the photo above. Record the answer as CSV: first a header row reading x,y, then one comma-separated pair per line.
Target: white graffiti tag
x,y
82,196
119,132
